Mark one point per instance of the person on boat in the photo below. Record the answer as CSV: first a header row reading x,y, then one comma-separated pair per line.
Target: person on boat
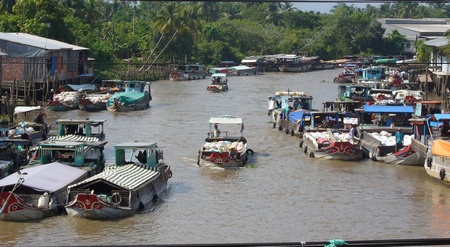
x,y
445,129
50,94
297,104
216,131
399,139
351,133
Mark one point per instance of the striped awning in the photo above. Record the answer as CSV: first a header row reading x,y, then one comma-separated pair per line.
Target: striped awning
x,y
74,138
129,176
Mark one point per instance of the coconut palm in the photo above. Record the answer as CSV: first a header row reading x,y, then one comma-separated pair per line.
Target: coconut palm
x,y
6,6
172,20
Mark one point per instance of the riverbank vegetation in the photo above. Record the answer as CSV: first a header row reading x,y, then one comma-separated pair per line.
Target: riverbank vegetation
x,y
135,36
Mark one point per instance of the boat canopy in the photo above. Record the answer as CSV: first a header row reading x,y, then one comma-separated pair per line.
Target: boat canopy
x,y
129,177
225,120
296,116
82,87
388,109
23,109
441,148
440,117
219,75
46,178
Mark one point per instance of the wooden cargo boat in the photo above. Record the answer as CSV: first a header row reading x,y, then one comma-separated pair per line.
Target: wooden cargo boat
x,y
224,151
134,98
188,72
282,104
219,83
72,129
332,145
32,196
379,123
124,188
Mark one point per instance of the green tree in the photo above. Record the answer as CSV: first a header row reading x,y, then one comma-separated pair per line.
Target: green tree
x,y
394,43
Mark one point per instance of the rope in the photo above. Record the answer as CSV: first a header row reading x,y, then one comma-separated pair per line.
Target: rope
x,y
18,183
336,242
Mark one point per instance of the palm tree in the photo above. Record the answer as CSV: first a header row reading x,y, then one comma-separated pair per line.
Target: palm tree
x,y
174,19
6,6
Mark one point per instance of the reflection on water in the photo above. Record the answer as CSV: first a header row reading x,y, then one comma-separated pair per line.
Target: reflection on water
x,y
283,195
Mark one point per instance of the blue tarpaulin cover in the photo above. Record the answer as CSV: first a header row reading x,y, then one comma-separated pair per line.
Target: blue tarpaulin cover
x,y
388,109
294,116
442,117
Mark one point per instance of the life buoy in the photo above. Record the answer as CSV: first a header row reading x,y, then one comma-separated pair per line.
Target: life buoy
x,y
429,162
116,198
442,174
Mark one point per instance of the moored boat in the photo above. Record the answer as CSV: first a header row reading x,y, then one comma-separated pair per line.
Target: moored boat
x,y
93,102
30,195
282,104
124,188
377,131
134,98
64,101
188,72
332,145
437,162
224,151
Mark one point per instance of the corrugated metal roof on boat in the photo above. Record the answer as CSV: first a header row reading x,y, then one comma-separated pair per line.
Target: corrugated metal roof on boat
x,y
73,138
129,176
38,177
40,42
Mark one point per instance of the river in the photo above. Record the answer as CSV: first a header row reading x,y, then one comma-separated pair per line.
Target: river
x,y
281,196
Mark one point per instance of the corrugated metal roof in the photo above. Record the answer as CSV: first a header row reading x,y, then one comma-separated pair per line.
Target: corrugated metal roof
x,y
437,42
49,177
129,176
39,42
74,138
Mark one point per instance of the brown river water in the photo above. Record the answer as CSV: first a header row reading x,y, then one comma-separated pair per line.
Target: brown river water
x,y
281,196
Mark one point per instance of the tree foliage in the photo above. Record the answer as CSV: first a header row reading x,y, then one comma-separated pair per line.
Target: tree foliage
x,y
207,32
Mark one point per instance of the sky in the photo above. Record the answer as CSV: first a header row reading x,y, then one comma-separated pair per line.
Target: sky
x,y
326,7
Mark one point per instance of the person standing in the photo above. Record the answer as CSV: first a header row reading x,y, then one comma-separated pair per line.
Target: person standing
x,y
50,95
399,139
216,131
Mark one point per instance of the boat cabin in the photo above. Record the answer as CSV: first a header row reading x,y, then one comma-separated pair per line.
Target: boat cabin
x,y
86,155
374,73
333,120
426,107
225,121
219,78
342,106
113,85
83,127
145,153
439,124
380,117
354,92
136,86
291,100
